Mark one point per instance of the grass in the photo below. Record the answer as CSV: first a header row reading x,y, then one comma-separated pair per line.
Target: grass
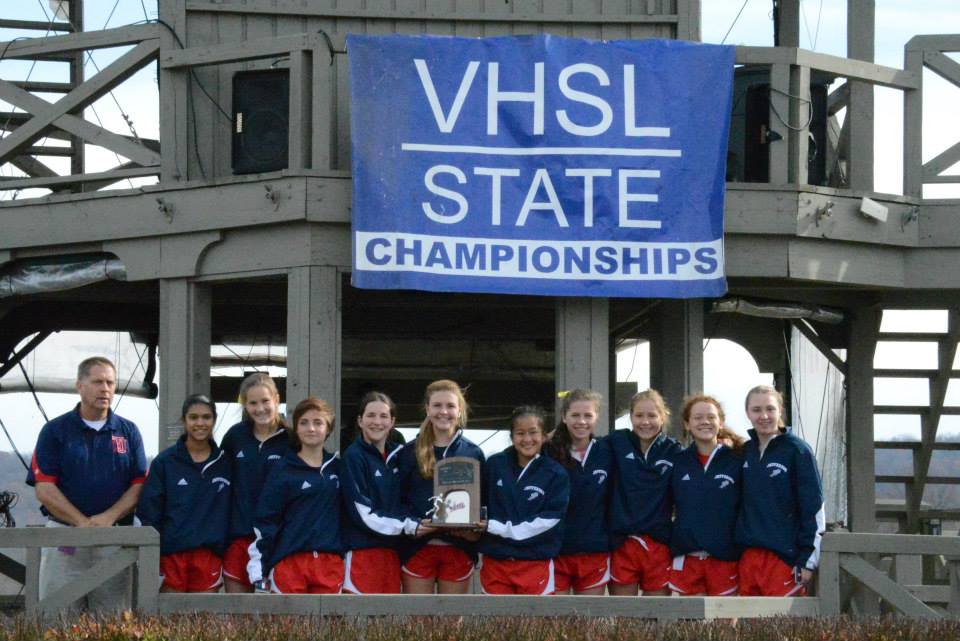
x,y
211,627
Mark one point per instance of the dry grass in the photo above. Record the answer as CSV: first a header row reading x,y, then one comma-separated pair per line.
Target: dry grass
x,y
209,627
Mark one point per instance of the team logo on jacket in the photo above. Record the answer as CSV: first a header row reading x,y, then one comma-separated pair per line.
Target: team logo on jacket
x,y
182,481
119,445
535,492
686,477
499,482
630,456
601,476
377,473
306,485
777,469
240,454
274,457
725,480
664,466
220,482
335,479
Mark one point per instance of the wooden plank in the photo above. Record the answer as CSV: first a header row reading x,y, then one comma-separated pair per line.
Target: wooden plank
x,y
112,176
104,570
838,99
378,11
77,126
942,161
861,491
910,478
31,586
668,608
32,537
804,328
800,116
44,87
300,136
853,542
861,38
953,606
38,25
943,66
765,55
147,585
32,167
855,69
828,584
913,124
97,86
886,588
83,41
13,569
255,49
173,96
779,113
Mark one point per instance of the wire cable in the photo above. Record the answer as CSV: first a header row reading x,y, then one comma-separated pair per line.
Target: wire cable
x,y
33,391
130,379
14,446
734,23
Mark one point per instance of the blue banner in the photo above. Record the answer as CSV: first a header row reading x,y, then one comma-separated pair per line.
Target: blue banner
x,y
539,165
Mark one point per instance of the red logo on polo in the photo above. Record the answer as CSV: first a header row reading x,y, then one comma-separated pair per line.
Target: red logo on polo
x,y
119,445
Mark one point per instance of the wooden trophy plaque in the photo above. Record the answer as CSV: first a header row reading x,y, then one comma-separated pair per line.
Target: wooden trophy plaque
x,y
456,491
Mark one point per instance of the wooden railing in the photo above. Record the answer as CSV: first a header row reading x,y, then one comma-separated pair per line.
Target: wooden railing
x,y
139,548
904,592
842,567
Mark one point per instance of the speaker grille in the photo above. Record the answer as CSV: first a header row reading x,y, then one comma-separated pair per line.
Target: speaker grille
x,y
261,120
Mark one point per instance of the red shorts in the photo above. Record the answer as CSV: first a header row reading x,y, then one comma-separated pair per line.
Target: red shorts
x,y
762,573
643,561
442,562
696,574
582,571
191,571
308,573
372,571
235,560
498,576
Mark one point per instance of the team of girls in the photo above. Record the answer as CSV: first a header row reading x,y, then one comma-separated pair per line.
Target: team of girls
x,y
627,512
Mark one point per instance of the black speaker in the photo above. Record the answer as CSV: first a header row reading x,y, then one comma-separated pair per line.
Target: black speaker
x,y
748,157
261,120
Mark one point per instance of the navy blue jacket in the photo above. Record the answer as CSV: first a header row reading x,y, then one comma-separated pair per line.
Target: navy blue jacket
x,y
187,502
640,501
371,498
92,468
782,505
707,501
417,491
298,511
585,524
248,460
525,507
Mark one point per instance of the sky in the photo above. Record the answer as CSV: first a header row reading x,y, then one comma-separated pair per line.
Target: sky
x,y
729,370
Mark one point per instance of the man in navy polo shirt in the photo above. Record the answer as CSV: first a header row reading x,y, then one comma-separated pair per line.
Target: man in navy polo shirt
x,y
88,469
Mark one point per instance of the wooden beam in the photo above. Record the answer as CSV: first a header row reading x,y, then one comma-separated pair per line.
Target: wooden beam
x,y
90,580
886,588
942,161
648,607
98,85
871,543
861,39
237,52
943,66
83,41
77,537
838,99
38,25
804,328
861,493
79,127
44,87
855,69
13,569
32,167
112,176
379,11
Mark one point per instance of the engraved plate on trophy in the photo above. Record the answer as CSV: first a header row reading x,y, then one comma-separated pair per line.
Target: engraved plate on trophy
x,y
456,490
